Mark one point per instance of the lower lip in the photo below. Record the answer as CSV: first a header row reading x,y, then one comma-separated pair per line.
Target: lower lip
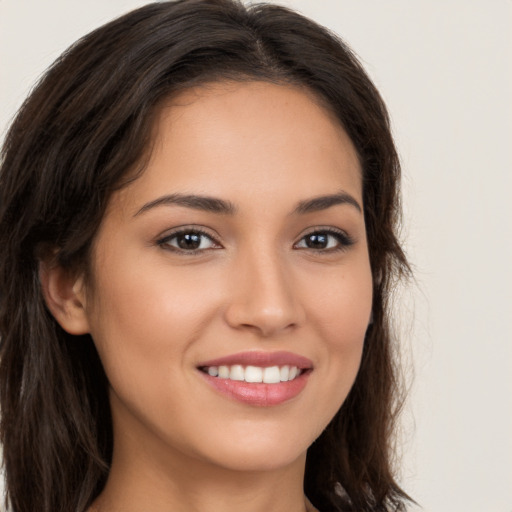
x,y
259,394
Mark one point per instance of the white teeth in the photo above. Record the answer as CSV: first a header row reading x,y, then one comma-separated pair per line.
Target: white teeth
x,y
268,375
284,373
213,371
236,372
271,375
253,374
224,372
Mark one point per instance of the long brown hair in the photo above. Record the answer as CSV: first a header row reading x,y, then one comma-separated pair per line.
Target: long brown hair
x,y
84,132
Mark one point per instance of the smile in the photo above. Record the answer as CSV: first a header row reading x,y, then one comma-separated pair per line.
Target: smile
x,y
254,374
260,379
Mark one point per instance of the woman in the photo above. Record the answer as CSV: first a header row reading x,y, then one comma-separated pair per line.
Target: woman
x,y
198,209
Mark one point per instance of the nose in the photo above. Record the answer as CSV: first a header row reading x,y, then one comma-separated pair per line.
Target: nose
x,y
264,297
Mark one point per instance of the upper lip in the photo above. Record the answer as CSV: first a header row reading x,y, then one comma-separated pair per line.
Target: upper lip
x,y
260,358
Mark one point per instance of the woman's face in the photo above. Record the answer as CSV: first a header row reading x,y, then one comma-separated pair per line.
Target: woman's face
x,y
239,255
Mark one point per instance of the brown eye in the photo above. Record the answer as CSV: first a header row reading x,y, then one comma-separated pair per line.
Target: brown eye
x,y
325,241
188,241
317,241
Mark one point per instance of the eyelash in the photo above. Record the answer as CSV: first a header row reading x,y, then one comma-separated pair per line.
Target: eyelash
x,y
165,241
344,241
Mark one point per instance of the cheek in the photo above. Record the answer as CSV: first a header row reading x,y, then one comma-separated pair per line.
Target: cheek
x,y
143,322
342,305
143,295
143,316
341,314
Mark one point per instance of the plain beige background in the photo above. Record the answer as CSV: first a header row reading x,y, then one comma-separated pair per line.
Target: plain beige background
x,y
444,68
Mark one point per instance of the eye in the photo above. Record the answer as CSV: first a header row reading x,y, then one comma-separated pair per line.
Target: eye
x,y
188,240
325,240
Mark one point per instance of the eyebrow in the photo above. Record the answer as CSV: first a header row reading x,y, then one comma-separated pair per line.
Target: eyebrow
x,y
324,202
196,202
223,207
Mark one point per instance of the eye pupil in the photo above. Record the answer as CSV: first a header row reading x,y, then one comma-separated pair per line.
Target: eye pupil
x,y
189,241
317,241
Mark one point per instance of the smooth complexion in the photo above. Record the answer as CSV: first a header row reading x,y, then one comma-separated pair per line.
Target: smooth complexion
x,y
243,238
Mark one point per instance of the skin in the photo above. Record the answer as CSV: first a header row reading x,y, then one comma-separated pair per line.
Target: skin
x,y
155,312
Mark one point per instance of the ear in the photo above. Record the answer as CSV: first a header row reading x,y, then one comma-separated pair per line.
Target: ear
x,y
64,294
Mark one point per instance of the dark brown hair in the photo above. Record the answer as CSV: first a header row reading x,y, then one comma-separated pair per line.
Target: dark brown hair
x,y
84,132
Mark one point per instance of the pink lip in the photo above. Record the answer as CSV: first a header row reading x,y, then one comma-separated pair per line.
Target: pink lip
x,y
261,359
260,394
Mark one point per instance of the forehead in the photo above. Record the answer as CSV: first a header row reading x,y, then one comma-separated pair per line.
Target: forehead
x,y
221,138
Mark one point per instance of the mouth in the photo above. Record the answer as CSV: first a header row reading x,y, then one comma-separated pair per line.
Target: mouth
x,y
258,378
254,374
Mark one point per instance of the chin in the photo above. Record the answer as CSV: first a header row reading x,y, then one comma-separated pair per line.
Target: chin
x,y
259,449
260,460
